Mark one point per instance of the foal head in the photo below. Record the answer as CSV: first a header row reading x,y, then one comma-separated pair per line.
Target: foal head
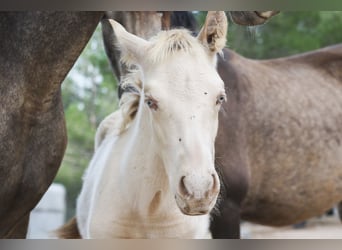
x,y
182,97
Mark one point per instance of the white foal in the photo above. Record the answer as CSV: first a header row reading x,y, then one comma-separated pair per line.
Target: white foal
x,y
153,174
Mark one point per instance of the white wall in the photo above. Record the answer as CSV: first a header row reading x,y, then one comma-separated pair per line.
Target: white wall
x,y
49,214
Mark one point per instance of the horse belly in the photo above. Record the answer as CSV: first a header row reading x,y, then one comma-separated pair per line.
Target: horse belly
x,y
283,204
295,156
293,183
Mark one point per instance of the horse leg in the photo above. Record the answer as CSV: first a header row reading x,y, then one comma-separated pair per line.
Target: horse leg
x,y
225,223
19,231
339,209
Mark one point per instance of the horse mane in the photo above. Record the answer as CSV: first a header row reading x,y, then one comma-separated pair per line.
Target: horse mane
x,y
169,43
165,44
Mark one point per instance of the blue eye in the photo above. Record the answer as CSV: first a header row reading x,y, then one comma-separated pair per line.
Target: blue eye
x,y
149,103
152,104
221,99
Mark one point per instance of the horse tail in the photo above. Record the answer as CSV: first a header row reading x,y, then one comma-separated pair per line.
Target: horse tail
x,y
69,230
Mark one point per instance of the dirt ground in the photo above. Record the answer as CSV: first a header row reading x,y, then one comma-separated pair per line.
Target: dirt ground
x,y
325,227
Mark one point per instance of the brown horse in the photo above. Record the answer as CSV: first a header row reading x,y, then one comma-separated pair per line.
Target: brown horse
x,y
279,142
37,51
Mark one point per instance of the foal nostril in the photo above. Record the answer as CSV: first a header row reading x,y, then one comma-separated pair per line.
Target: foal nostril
x,y
216,185
182,187
212,187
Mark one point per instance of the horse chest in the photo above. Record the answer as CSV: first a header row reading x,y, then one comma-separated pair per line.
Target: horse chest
x,y
133,226
151,216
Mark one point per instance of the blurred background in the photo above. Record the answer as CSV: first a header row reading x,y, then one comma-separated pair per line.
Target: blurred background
x,y
90,89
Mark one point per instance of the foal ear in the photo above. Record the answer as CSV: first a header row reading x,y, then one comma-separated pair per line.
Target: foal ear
x,y
213,33
132,47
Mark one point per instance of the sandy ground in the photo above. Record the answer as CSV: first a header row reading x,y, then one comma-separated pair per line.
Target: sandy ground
x,y
325,227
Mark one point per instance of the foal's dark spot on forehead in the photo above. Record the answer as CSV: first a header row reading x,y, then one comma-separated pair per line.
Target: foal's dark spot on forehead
x,y
180,139
205,93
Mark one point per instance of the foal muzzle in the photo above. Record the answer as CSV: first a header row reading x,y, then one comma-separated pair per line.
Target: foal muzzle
x,y
193,200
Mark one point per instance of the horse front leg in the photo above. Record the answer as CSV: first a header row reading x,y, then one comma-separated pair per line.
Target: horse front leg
x,y
339,209
225,223
19,231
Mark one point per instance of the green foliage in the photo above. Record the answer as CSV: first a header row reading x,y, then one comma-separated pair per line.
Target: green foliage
x,y
287,33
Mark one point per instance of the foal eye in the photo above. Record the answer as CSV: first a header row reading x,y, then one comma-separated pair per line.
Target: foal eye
x,y
152,104
221,99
